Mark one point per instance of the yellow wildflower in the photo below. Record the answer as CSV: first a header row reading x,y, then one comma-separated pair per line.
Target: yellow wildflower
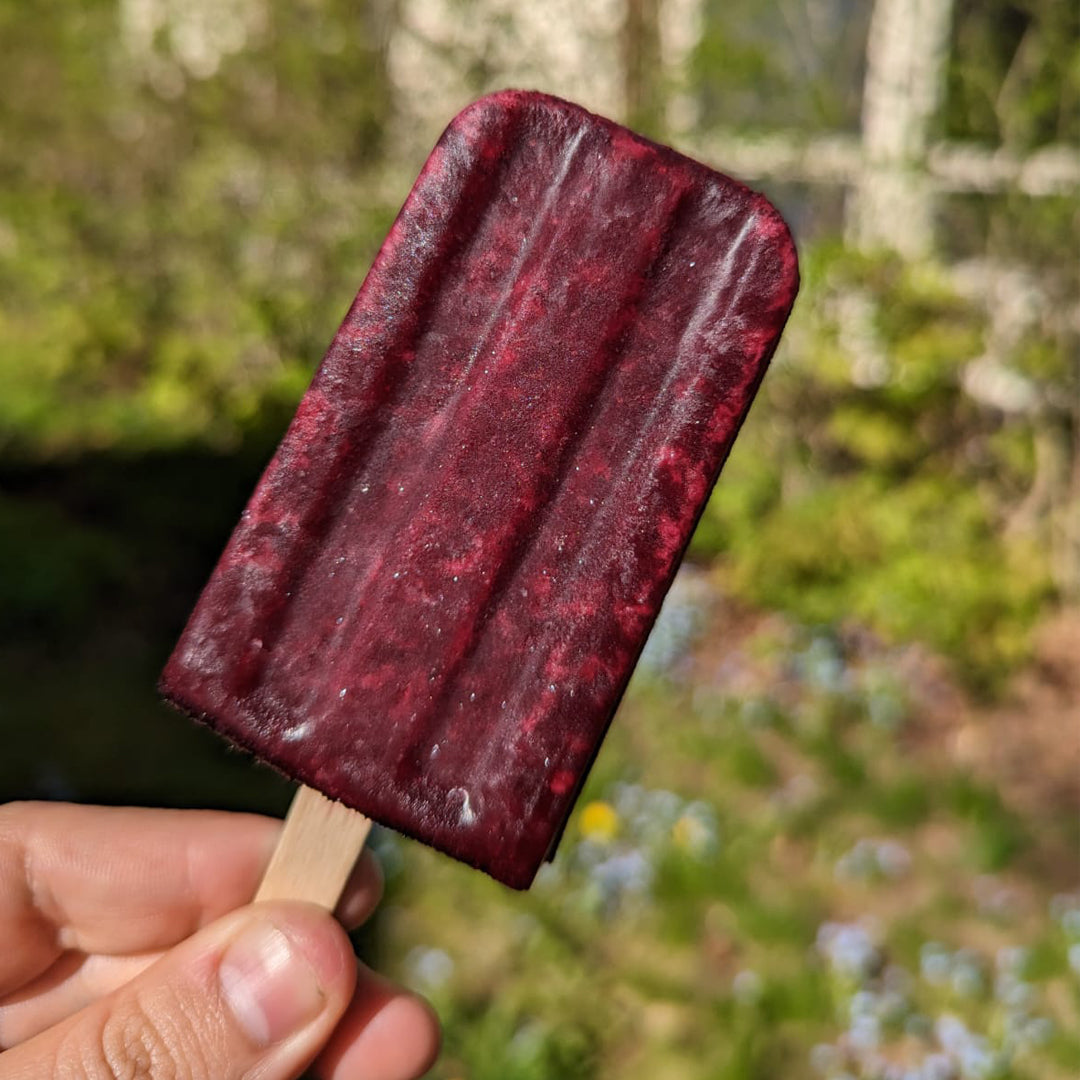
x,y
599,822
690,834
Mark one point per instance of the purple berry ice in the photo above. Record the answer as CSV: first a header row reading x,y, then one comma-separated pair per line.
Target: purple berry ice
x,y
437,594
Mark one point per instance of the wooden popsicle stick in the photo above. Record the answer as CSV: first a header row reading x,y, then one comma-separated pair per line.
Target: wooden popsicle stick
x,y
318,847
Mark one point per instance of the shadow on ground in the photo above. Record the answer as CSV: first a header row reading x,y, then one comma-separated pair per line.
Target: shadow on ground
x,y
103,558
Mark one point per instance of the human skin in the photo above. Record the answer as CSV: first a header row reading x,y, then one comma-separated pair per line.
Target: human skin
x,y
129,946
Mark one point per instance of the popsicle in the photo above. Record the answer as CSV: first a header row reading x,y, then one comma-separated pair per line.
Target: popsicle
x,y
435,598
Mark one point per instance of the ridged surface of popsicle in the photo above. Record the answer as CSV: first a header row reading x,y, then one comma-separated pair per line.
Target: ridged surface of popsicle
x,y
437,593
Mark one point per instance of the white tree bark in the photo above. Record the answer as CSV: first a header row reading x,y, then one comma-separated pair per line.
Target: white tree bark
x,y
682,23
443,54
906,58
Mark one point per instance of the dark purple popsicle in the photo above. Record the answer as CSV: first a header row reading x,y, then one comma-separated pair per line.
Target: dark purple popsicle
x,y
436,596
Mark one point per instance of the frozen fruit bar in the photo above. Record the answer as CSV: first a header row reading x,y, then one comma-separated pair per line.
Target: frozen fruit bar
x,y
436,596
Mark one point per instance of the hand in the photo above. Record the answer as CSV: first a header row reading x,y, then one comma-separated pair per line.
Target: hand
x,y
126,950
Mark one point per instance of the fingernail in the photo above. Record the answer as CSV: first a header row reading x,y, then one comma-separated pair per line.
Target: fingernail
x,y
268,984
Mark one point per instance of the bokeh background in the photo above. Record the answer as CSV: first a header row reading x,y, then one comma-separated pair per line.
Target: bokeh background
x,y
835,830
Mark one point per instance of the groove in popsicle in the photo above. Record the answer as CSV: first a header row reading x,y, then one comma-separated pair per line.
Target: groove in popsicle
x,y
589,400
366,429
634,476
532,249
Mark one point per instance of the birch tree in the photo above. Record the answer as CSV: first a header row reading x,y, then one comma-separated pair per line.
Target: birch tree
x,y
907,56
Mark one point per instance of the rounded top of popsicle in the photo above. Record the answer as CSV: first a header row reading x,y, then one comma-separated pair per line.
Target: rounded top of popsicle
x,y
437,594
504,109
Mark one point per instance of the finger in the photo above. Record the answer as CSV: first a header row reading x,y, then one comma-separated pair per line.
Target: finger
x,y
257,993
125,880
72,983
107,879
75,980
385,1034
362,892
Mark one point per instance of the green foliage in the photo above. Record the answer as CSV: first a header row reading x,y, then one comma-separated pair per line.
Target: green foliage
x,y
749,765
904,803
868,486
1014,82
499,1045
809,58
997,833
174,260
1015,73
55,569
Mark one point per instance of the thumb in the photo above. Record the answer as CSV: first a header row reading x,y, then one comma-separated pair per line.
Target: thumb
x,y
257,993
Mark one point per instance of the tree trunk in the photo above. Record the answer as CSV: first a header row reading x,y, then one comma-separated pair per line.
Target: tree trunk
x,y
641,66
906,59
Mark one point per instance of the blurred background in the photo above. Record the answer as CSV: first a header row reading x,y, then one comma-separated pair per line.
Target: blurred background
x,y
835,831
